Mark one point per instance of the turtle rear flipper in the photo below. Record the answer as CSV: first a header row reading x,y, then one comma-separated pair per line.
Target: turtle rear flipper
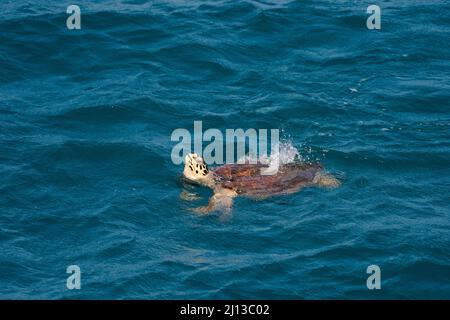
x,y
326,180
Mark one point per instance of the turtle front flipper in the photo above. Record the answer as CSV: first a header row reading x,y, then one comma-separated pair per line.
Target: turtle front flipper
x,y
221,200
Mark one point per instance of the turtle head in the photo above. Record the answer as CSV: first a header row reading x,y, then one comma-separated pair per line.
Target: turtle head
x,y
195,169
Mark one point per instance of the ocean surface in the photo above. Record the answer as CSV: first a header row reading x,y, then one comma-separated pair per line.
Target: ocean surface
x,y
87,179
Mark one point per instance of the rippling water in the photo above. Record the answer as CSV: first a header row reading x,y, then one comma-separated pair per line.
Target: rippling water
x,y
87,179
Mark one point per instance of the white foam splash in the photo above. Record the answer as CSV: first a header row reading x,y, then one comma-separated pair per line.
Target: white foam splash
x,y
284,154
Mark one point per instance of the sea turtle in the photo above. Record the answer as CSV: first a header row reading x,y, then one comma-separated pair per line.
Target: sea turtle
x,y
231,180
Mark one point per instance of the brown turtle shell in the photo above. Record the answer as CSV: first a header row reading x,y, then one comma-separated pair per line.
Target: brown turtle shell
x,y
247,179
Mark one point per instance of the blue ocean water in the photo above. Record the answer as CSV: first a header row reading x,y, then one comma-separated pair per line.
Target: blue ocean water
x,y
87,179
